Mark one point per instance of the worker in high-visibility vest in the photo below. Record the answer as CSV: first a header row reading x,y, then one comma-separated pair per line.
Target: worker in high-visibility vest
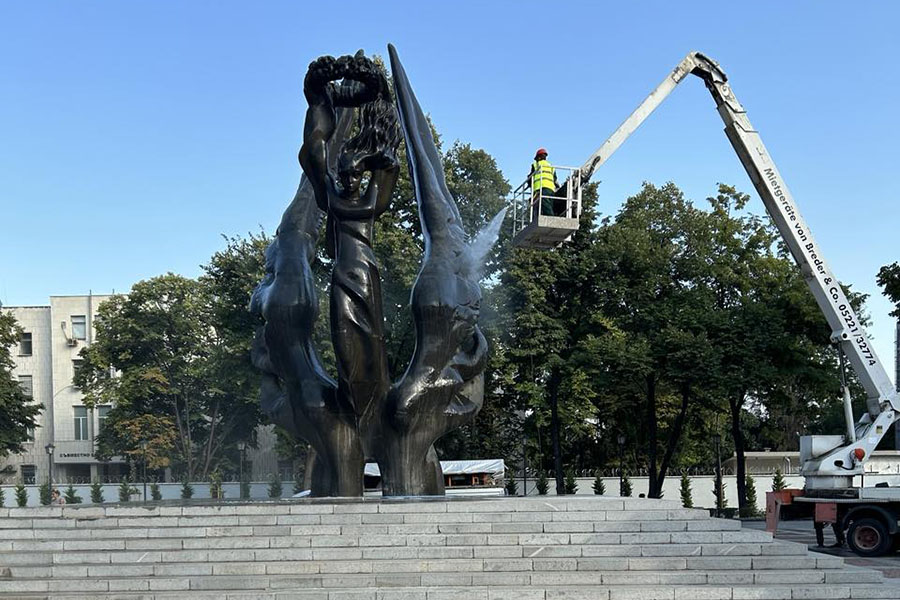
x,y
543,182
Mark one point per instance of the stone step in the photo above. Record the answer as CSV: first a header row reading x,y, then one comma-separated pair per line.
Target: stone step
x,y
206,567
317,537
425,558
462,505
549,592
562,519
226,578
85,529
553,548
633,548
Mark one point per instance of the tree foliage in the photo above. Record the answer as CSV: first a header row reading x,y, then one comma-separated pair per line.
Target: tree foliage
x,y
889,280
167,358
687,498
17,411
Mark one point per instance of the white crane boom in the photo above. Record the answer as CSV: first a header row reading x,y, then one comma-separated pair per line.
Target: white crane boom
x,y
828,461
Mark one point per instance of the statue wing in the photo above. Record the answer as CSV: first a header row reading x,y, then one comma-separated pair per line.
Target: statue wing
x,y
445,374
286,298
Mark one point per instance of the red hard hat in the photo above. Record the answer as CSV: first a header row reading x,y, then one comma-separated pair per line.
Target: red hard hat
x,y
540,151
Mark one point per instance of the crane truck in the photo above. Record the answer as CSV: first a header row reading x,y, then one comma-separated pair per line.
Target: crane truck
x,y
829,463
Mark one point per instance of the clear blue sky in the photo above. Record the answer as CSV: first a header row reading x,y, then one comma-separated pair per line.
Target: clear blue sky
x,y
133,134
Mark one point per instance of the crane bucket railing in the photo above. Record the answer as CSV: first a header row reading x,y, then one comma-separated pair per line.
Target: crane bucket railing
x,y
564,202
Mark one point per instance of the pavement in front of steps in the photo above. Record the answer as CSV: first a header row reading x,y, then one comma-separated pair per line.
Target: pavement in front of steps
x,y
802,532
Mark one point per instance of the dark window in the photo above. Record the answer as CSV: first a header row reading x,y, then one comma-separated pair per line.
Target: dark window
x,y
76,365
102,415
81,422
28,474
27,385
79,327
25,344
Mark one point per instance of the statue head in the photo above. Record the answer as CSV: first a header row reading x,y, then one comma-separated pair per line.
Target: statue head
x,y
373,147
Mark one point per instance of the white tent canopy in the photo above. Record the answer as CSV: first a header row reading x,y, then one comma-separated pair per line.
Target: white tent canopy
x,y
492,466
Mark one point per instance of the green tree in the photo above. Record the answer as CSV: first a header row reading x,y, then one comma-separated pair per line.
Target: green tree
x,y
155,493
687,499
750,510
542,484
625,489
45,493
778,482
21,495
187,490
72,496
571,483
275,489
889,280
2,497
215,486
173,359
547,299
644,350
511,487
97,492
719,486
126,490
17,411
598,486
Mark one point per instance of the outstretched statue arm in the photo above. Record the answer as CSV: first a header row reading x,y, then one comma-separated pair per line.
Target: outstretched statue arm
x,y
319,125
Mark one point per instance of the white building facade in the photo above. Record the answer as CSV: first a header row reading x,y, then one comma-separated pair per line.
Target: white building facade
x,y
45,362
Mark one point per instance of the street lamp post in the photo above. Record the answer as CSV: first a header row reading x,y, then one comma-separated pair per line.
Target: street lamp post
x,y
49,448
242,447
621,440
719,491
144,466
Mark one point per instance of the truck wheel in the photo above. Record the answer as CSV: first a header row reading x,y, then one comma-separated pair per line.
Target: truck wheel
x,y
869,537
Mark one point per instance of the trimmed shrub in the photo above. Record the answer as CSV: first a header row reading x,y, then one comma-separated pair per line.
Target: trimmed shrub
x,y
46,494
687,498
71,496
97,492
275,487
21,495
750,510
778,482
187,490
215,486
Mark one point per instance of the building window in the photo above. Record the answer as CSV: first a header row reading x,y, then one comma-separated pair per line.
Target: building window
x,y
81,422
29,473
79,327
25,344
27,385
76,366
102,415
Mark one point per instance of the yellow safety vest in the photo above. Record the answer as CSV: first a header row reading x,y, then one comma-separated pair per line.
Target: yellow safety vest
x,y
542,175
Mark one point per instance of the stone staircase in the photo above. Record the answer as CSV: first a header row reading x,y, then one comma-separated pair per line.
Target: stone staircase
x,y
543,548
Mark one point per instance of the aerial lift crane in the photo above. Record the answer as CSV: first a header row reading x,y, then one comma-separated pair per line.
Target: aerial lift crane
x,y
829,462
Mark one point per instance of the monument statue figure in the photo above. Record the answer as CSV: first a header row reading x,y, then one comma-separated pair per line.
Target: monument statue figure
x,y
349,182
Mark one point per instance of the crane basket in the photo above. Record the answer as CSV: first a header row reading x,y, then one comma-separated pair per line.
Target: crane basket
x,y
546,220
